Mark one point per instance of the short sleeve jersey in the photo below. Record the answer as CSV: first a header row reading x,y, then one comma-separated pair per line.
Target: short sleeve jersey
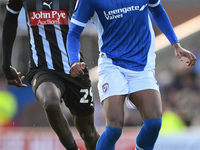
x,y
124,29
48,25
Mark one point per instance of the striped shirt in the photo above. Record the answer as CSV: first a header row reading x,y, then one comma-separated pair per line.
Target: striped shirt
x,y
48,25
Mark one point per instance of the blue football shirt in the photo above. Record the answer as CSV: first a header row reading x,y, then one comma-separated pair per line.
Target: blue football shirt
x,y
124,29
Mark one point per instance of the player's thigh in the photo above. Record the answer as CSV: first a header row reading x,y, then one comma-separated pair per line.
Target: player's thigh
x,y
47,87
78,96
114,111
145,93
48,91
148,102
111,79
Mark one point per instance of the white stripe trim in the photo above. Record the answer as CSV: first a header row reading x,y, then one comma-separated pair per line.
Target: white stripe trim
x,y
154,5
32,42
61,46
12,11
78,23
96,21
138,148
46,48
34,52
151,55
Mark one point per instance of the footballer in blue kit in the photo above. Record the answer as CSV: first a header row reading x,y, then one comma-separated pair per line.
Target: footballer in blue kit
x,y
126,62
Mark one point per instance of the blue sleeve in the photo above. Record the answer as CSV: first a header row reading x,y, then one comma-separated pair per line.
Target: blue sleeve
x,y
73,42
84,11
162,20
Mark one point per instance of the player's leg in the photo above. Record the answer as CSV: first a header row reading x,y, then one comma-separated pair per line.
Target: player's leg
x,y
78,97
148,102
112,87
87,130
114,112
48,88
146,97
49,96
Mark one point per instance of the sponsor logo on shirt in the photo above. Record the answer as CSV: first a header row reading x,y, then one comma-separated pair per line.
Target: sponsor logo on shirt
x,y
119,13
51,17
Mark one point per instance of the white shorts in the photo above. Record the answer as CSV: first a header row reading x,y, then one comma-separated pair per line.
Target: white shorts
x,y
115,80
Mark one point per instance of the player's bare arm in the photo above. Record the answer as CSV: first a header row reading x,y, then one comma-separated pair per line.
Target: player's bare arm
x,y
77,69
13,77
181,52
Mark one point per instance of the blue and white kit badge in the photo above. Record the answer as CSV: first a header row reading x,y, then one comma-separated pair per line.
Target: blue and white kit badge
x,y
105,87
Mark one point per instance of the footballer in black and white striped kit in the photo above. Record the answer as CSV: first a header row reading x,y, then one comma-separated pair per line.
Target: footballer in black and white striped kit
x,y
48,24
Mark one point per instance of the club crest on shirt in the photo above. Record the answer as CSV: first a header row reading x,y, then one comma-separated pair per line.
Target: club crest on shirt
x,y
105,87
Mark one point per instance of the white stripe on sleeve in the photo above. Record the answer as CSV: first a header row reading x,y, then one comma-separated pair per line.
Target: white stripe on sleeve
x,y
78,22
12,11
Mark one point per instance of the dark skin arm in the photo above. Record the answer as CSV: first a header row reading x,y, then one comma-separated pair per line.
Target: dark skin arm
x,y
181,52
163,22
10,24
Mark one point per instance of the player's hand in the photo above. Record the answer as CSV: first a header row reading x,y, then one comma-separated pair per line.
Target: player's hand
x,y
77,69
17,81
181,52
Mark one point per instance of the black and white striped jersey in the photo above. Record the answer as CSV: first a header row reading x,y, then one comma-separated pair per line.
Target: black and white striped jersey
x,y
48,25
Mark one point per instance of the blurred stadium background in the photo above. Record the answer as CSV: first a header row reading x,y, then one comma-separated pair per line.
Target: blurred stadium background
x,y
23,125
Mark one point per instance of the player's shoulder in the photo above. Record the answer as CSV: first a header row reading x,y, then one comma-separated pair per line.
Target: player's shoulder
x,y
14,6
83,4
84,1
154,1
14,2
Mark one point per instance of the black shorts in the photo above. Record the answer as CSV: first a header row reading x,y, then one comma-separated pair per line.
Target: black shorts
x,y
76,92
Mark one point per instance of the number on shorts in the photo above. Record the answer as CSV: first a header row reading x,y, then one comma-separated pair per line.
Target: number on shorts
x,y
84,98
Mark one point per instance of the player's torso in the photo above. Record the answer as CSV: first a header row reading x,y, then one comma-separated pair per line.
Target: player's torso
x,y
111,12
124,30
47,12
48,25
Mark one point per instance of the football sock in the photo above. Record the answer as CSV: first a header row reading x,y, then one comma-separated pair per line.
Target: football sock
x,y
108,138
68,142
148,134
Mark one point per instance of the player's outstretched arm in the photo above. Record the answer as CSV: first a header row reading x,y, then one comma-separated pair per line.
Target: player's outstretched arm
x,y
181,52
163,22
9,34
77,69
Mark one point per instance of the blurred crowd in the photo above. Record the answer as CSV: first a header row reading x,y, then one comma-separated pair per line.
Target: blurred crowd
x,y
180,90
